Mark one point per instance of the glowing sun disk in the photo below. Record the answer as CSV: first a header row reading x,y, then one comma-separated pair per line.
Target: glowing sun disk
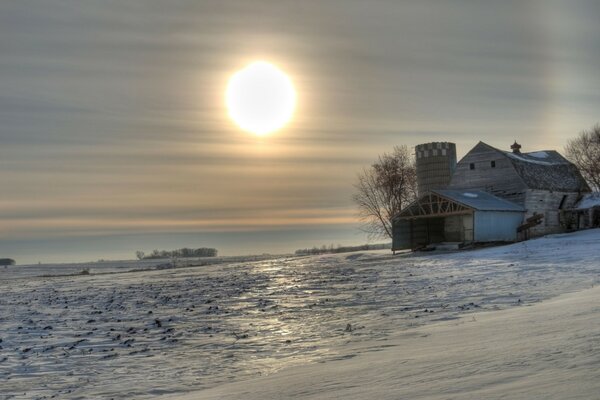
x,y
260,98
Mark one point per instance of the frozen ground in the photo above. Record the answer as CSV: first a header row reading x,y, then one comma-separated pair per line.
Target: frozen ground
x,y
111,267
548,351
143,334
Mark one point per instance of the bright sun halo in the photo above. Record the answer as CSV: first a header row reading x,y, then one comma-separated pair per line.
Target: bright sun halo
x,y
260,98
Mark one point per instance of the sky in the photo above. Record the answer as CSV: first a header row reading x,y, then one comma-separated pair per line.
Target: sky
x,y
114,136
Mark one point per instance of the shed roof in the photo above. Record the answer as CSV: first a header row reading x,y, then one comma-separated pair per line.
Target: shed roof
x,y
452,202
589,200
479,200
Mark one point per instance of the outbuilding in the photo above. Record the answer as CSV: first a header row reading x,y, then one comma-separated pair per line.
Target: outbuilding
x,y
459,216
585,214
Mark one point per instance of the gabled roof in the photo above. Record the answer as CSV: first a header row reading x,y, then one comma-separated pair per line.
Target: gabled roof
x,y
479,200
546,170
452,202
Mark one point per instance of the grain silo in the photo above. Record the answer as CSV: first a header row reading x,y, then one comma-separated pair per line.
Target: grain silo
x,y
436,162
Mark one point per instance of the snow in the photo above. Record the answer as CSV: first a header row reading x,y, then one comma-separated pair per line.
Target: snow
x,y
538,154
120,266
589,200
546,351
358,324
529,160
471,195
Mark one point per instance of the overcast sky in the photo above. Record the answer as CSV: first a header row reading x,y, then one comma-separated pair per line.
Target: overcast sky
x,y
114,136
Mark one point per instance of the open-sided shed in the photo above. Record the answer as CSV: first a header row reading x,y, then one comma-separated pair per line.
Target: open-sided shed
x,y
456,216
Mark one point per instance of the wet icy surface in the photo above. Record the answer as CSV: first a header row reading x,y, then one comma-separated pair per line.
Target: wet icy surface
x,y
139,334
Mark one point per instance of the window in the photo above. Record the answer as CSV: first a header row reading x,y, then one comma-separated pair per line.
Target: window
x,y
472,166
493,164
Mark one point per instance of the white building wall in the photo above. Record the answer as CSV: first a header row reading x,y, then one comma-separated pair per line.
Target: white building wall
x,y
501,226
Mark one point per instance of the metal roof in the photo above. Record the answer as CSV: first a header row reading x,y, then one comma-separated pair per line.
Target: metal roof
x,y
479,200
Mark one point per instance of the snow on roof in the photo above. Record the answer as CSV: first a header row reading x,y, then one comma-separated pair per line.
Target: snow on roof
x,y
588,201
479,200
546,170
538,154
549,157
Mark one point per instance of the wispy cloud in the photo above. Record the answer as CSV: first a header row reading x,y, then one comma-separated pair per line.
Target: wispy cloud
x,y
112,116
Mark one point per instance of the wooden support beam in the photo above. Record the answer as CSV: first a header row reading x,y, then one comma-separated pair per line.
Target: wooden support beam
x,y
432,205
445,214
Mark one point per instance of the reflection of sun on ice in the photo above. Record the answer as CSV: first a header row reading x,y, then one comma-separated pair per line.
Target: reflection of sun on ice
x,y
260,98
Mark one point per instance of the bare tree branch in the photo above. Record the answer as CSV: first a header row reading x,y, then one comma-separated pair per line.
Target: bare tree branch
x,y
384,189
584,152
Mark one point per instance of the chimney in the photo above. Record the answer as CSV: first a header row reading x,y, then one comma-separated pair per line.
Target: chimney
x,y
516,148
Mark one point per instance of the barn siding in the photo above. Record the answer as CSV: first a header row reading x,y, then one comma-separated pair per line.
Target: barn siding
x,y
401,239
502,180
547,203
497,226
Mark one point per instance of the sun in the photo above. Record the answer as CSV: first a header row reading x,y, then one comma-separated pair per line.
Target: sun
x,y
260,98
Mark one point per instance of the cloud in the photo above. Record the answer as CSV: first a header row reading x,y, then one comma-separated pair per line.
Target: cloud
x,y
112,113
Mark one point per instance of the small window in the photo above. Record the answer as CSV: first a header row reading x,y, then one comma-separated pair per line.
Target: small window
x,y
493,164
472,166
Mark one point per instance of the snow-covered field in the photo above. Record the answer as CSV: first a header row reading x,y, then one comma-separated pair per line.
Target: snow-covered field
x,y
548,351
111,267
170,331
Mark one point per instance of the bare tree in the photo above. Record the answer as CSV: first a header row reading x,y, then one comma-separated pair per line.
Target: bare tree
x,y
384,189
584,152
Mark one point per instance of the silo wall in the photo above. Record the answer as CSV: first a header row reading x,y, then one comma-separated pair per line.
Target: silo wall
x,y
436,162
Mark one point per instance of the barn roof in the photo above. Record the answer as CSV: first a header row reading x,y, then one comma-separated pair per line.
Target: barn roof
x,y
479,200
547,170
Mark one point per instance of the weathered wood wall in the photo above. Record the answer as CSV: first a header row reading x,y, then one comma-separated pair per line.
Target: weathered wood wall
x,y
501,180
548,203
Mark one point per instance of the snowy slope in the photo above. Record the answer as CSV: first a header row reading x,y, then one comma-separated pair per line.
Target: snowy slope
x,y
547,351
142,334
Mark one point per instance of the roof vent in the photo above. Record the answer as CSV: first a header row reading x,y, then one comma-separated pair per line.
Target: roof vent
x,y
516,147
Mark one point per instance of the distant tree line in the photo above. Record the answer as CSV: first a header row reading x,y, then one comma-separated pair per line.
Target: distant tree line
x,y
341,249
7,261
180,253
